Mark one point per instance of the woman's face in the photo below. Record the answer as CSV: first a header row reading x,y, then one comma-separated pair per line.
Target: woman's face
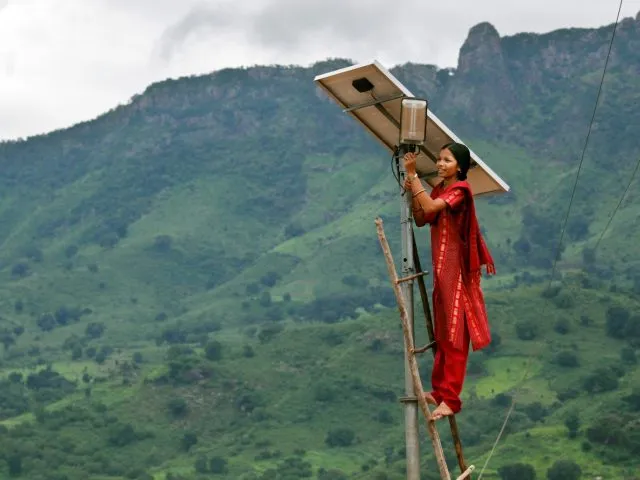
x,y
447,164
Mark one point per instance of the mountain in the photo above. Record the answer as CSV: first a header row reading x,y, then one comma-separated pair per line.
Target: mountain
x,y
192,286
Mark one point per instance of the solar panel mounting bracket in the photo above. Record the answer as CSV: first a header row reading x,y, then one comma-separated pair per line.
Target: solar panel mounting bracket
x,y
374,102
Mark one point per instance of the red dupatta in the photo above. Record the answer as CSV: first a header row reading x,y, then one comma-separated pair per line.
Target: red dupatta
x,y
475,252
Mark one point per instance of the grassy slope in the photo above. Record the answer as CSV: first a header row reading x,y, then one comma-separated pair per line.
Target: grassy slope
x,y
287,370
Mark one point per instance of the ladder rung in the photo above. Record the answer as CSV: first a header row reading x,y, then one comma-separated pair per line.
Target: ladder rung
x,y
411,277
425,348
466,473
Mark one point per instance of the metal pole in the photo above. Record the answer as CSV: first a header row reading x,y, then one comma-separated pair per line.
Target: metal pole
x,y
410,400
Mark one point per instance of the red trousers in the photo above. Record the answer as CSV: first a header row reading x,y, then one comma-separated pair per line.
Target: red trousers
x,y
449,369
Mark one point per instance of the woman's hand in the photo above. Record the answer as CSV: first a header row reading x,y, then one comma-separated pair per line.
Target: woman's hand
x,y
410,163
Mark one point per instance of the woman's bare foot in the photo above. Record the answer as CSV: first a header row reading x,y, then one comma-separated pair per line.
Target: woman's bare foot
x,y
443,410
429,399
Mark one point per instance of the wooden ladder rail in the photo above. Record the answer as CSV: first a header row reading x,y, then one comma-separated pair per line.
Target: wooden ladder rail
x,y
411,357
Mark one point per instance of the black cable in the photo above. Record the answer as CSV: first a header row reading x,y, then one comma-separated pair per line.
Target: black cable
x,y
586,143
566,219
626,190
395,169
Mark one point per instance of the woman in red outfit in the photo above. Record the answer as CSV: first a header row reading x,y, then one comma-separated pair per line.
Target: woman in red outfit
x,y
458,252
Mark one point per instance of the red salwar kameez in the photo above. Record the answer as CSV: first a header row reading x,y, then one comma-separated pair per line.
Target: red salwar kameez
x,y
458,251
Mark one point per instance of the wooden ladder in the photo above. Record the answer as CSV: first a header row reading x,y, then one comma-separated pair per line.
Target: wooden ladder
x,y
412,351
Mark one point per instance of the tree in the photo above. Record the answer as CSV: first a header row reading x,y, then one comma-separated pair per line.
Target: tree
x,y
562,326
526,330
46,322
617,318
564,300
162,243
7,340
213,350
252,289
567,359
609,429
121,435
628,356
585,320
633,400
247,401
572,422
14,463
177,407
70,251
577,227
218,465
265,299
188,440
95,330
564,470
517,471
496,340
332,474
270,279
65,315
536,411
324,392
385,417
603,379
247,351
269,332
340,437
201,464
294,229
20,269
18,306
588,256
633,327
101,357
76,353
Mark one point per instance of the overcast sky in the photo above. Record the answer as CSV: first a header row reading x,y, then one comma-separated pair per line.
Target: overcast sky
x,y
66,61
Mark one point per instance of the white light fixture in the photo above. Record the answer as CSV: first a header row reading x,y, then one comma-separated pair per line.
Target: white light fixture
x,y
413,121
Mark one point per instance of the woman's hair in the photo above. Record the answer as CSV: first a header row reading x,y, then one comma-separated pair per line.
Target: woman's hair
x,y
463,157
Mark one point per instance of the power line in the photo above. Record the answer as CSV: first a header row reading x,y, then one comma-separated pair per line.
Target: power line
x,y
626,190
566,219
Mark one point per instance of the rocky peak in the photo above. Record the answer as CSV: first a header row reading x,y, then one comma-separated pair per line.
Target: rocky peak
x,y
482,46
482,83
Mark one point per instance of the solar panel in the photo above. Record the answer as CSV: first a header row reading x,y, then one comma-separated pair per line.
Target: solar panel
x,y
372,95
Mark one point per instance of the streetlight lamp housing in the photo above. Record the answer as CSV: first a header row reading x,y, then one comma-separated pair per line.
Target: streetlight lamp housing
x,y
413,121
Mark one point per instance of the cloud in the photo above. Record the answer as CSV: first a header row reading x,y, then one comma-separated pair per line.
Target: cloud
x,y
284,23
201,18
285,31
64,62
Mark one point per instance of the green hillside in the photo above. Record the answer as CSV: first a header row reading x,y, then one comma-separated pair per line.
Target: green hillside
x,y
192,287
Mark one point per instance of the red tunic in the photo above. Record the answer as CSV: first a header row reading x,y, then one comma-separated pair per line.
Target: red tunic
x,y
458,251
